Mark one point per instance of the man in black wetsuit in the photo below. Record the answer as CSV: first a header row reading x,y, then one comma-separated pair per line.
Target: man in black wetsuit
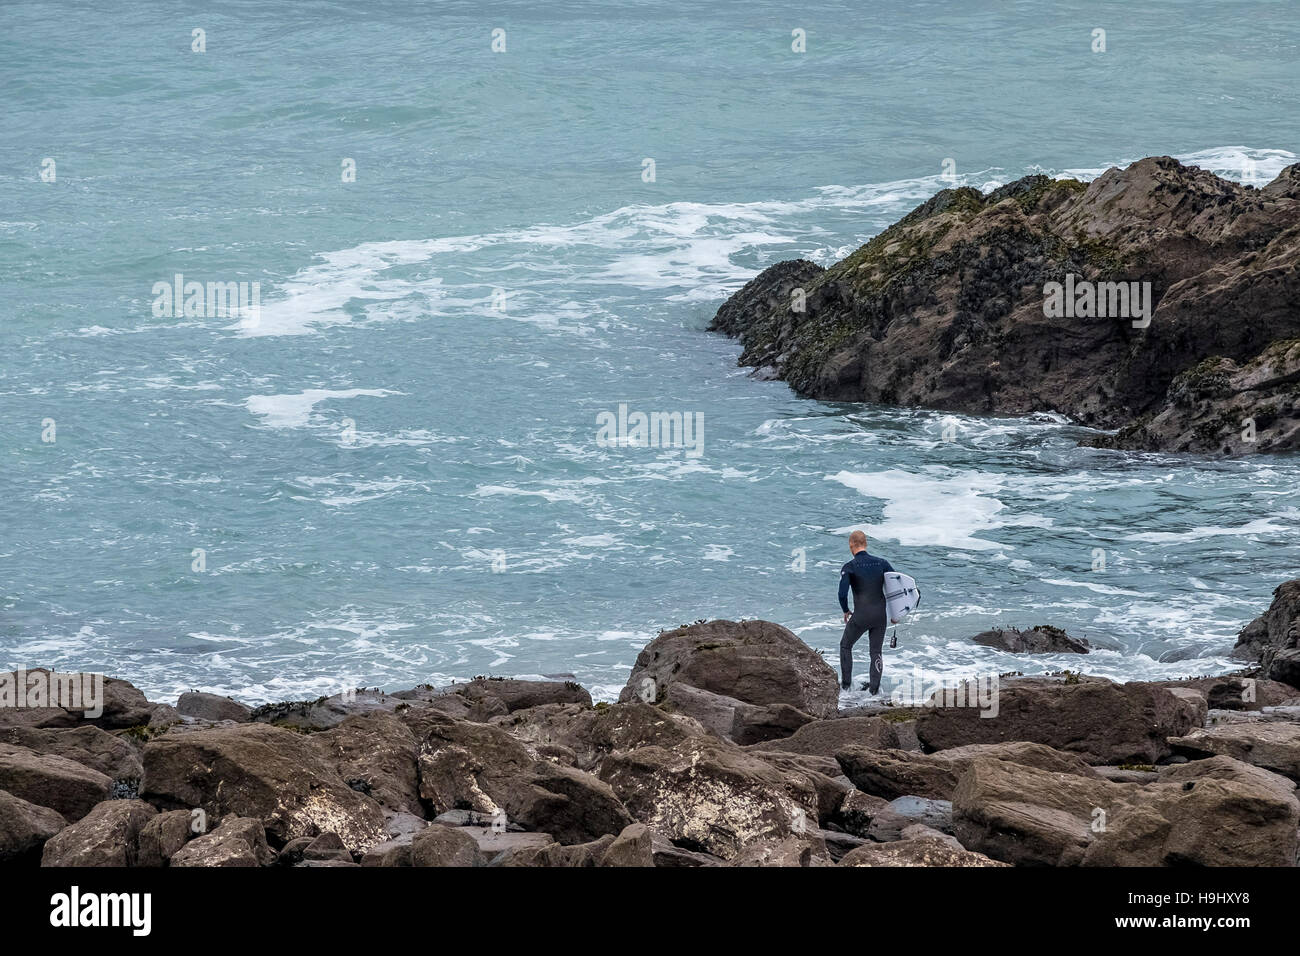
x,y
865,575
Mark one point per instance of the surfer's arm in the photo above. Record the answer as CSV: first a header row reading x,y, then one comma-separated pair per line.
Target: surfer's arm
x,y
844,588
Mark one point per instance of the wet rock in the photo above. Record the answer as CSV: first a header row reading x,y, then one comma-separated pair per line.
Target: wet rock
x,y
522,694
889,823
951,308
212,707
1043,639
1273,638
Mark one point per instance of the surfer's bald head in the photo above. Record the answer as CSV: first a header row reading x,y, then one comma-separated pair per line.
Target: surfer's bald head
x,y
858,541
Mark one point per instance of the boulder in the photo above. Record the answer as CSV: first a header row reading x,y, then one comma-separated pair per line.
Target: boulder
x,y
593,733
71,788
821,773
162,837
667,854
570,804
1023,815
707,796
396,850
1043,639
899,773
634,846
826,738
1103,722
791,851
1237,693
87,745
1273,745
889,823
218,849
1228,768
575,855
252,832
212,707
326,712
734,719
756,662
375,754
254,770
24,829
106,836
924,851
1207,822
856,812
479,767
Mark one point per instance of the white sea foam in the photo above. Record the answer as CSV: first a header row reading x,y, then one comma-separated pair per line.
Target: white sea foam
x,y
294,410
937,510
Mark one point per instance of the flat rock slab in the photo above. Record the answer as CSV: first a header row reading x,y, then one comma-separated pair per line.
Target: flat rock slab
x,y
1273,745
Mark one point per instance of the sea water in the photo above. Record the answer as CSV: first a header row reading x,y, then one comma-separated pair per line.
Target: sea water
x,y
468,260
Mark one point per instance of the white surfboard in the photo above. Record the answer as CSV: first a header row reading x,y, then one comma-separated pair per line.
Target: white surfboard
x,y
901,596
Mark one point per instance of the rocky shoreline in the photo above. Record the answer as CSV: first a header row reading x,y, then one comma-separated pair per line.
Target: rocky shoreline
x,y
1159,300
727,747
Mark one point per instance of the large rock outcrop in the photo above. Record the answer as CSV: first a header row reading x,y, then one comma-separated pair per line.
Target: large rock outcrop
x,y
952,308
1273,638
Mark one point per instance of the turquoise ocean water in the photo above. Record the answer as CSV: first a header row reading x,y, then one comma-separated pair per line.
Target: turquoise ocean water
x,y
393,476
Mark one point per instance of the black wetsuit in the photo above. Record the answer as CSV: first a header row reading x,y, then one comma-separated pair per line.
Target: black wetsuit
x,y
865,575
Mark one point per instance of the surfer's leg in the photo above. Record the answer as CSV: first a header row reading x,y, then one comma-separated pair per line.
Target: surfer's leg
x,y
877,641
852,631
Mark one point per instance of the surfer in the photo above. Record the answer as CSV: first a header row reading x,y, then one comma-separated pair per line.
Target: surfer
x,y
865,575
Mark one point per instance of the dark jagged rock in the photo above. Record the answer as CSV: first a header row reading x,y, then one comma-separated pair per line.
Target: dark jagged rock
x,y
947,309
1273,638
1043,639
